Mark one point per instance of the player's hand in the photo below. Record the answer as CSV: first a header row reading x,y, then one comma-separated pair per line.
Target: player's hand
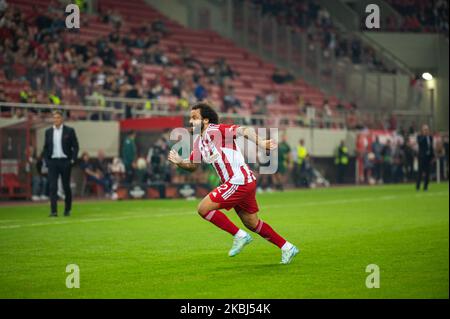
x,y
174,157
269,144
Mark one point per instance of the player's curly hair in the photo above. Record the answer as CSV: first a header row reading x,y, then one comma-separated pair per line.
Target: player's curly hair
x,y
207,112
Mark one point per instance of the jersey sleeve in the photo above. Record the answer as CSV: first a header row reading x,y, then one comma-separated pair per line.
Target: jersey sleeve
x,y
196,155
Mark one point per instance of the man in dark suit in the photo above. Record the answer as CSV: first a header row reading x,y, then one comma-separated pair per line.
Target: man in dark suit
x,y
426,156
60,153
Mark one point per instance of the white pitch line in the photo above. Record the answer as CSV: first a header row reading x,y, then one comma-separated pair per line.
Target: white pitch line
x,y
170,212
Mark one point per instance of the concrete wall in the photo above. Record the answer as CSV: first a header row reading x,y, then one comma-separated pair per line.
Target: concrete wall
x,y
321,142
416,50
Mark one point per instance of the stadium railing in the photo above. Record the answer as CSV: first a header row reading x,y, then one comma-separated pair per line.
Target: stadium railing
x,y
115,109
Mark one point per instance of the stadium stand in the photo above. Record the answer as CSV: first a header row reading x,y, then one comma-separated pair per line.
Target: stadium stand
x,y
101,60
422,15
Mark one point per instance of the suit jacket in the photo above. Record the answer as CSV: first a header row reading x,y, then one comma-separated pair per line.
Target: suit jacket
x,y
425,150
69,143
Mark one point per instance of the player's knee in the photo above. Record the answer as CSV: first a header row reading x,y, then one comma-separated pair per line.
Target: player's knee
x,y
251,225
201,210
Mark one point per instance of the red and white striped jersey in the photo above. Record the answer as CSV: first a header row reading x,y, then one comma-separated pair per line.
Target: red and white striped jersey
x,y
217,146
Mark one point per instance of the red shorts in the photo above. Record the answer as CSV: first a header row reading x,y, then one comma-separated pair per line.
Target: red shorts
x,y
239,197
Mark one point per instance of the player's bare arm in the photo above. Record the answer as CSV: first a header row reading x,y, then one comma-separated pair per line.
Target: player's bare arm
x,y
250,134
185,164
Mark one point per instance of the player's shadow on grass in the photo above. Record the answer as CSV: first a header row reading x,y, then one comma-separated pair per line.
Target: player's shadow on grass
x,y
250,268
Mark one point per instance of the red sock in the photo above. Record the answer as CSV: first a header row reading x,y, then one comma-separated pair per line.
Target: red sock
x,y
220,220
265,231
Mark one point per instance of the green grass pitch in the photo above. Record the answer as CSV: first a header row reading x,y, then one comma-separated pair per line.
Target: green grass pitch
x,y
163,249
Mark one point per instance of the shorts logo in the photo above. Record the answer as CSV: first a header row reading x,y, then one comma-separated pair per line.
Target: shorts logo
x,y
214,194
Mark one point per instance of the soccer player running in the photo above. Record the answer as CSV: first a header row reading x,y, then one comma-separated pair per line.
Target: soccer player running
x,y
216,144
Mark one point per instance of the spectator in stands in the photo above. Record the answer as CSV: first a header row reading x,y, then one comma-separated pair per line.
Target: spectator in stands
x,y
327,113
129,155
93,174
188,60
117,172
377,149
156,155
225,71
116,19
324,18
156,90
200,90
159,26
356,51
282,77
186,99
340,107
103,165
386,154
160,57
422,16
259,108
398,159
114,37
307,105
131,93
409,154
39,177
368,164
230,101
176,86
271,97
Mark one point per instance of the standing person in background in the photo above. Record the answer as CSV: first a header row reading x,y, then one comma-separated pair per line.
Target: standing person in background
x,y
39,179
341,161
408,152
426,157
60,153
103,166
387,162
376,149
129,156
94,174
439,154
284,160
368,158
398,159
302,152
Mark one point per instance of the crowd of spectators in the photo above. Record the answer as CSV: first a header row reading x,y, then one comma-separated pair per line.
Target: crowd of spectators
x,y
310,17
34,51
57,70
419,16
395,160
